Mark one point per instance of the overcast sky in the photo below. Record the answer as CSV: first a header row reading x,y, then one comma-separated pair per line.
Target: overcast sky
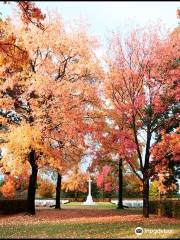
x,y
111,15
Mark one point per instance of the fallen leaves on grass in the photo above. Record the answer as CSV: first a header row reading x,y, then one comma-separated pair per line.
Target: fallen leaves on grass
x,y
77,216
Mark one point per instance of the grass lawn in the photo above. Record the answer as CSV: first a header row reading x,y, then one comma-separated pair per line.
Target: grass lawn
x,y
87,230
97,205
77,221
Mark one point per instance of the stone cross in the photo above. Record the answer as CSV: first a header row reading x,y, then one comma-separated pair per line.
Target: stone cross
x,y
89,200
89,180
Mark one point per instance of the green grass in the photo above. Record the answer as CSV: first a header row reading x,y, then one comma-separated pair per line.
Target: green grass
x,y
87,230
97,205
103,205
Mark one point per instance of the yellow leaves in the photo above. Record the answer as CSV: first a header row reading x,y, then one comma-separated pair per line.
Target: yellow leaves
x,y
14,164
76,182
46,188
53,162
22,138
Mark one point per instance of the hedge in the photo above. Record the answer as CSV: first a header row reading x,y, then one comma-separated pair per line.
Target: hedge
x,y
13,206
167,208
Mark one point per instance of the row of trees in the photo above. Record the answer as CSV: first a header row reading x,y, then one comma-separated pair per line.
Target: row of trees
x,y
104,184
55,92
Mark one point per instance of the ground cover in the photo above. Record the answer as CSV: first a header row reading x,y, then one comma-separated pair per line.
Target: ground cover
x,y
77,221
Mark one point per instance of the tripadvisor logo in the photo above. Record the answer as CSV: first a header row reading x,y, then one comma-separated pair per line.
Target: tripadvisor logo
x,y
138,231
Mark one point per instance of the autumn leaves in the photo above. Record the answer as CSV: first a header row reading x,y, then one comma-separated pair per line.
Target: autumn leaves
x,y
47,96
54,91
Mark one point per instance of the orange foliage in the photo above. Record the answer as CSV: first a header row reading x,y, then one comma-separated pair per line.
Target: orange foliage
x,y
8,188
164,188
12,55
77,181
30,13
168,147
133,184
49,94
46,188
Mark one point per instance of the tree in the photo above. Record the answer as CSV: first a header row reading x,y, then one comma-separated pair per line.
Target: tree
x,y
71,154
154,192
116,144
45,188
43,92
23,142
165,162
8,188
30,13
140,83
132,185
76,182
15,61
13,186
106,180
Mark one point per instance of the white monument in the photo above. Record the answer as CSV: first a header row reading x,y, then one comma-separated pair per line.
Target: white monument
x,y
89,200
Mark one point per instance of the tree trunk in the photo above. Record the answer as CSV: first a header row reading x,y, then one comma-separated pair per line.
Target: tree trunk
x,y
58,192
120,192
146,176
32,183
76,196
103,193
146,197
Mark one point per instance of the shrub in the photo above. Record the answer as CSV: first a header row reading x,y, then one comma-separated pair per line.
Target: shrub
x,y
176,209
153,207
8,188
46,189
167,208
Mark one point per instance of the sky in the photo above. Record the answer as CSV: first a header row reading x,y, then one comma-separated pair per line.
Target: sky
x,y
104,16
